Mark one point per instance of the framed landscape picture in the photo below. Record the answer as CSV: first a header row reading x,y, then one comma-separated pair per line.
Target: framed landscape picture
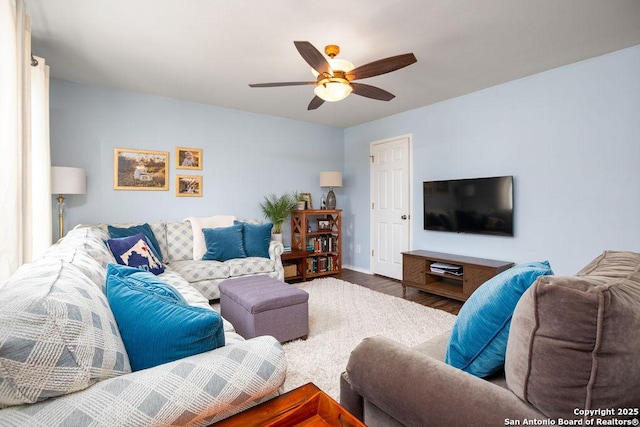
x,y
189,186
188,158
140,169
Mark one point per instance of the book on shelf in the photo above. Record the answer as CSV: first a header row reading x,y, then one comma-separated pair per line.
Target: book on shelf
x,y
287,248
322,243
321,264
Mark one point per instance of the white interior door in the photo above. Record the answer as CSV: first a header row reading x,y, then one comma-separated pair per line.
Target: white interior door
x,y
390,205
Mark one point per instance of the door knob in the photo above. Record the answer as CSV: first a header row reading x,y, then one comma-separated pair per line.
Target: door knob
x,y
403,217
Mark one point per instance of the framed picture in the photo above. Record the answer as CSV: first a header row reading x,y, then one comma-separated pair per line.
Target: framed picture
x,y
188,158
189,186
307,200
140,169
324,224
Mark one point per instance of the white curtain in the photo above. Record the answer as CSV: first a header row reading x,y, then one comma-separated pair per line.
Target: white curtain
x,y
25,199
38,206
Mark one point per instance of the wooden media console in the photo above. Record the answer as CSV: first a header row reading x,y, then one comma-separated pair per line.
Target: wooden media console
x,y
417,273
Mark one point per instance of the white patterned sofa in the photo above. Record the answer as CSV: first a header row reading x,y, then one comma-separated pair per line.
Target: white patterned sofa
x,y
176,243
63,361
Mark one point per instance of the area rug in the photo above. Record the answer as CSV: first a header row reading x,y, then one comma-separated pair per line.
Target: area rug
x,y
341,314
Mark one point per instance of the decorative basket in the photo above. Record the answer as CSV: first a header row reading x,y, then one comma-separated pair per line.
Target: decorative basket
x,y
290,270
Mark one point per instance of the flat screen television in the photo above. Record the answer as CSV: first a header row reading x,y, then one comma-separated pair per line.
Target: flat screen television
x,y
478,205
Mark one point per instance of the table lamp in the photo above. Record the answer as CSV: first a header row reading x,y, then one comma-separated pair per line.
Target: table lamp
x,y
331,179
65,180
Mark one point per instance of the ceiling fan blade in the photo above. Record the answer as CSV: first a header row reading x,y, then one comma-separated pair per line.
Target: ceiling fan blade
x,y
281,84
315,103
372,92
381,66
314,58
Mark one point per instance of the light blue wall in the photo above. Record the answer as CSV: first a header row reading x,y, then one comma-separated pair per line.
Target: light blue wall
x,y
570,137
245,155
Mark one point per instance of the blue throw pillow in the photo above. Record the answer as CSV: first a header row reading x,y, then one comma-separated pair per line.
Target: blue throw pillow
x,y
256,238
156,323
478,340
135,251
223,243
116,232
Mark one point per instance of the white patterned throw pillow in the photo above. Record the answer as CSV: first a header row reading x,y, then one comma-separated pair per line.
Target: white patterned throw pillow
x,y
57,334
91,240
179,241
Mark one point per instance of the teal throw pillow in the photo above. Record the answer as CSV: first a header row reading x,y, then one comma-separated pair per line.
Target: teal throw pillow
x,y
116,232
156,323
135,251
223,243
256,238
478,341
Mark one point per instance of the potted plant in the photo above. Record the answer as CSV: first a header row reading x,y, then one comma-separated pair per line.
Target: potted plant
x,y
301,202
277,209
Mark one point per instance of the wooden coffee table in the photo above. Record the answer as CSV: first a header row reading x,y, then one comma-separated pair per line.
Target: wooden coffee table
x,y
306,406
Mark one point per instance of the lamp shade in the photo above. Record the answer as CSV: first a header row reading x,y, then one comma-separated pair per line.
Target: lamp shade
x,y
331,179
66,180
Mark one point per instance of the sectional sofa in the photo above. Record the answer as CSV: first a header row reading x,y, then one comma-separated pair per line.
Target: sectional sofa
x,y
176,241
62,356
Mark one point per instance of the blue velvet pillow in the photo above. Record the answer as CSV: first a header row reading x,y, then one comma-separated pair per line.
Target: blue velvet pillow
x,y
478,340
135,251
116,232
256,238
223,243
156,323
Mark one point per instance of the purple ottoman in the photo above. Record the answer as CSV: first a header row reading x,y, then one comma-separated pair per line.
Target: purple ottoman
x,y
261,305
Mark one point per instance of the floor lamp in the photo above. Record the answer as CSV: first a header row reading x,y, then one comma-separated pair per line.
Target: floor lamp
x,y
66,180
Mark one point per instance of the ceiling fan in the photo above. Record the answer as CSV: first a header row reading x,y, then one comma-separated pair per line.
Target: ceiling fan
x,y
334,77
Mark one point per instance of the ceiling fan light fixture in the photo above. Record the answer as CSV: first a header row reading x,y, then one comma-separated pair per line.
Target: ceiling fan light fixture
x,y
337,65
334,77
333,91
341,64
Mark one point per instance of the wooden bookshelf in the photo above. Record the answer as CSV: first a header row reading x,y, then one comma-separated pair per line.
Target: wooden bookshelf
x,y
318,231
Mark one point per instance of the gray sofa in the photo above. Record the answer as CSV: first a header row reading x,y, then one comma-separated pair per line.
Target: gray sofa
x,y
63,361
572,354
176,243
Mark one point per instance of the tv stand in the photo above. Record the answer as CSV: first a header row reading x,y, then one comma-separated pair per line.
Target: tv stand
x,y
416,273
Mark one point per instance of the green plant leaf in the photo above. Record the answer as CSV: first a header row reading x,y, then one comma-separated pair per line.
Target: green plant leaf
x,y
277,209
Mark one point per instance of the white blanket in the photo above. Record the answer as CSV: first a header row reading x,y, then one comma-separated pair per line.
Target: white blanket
x,y
197,224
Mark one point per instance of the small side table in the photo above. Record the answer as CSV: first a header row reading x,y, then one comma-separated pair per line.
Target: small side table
x,y
299,259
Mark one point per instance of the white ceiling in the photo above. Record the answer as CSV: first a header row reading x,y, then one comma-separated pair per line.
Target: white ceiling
x,y
208,51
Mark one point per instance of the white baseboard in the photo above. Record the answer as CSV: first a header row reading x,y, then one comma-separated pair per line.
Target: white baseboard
x,y
358,269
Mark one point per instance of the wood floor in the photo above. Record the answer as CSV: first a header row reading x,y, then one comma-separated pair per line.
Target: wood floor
x,y
393,287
